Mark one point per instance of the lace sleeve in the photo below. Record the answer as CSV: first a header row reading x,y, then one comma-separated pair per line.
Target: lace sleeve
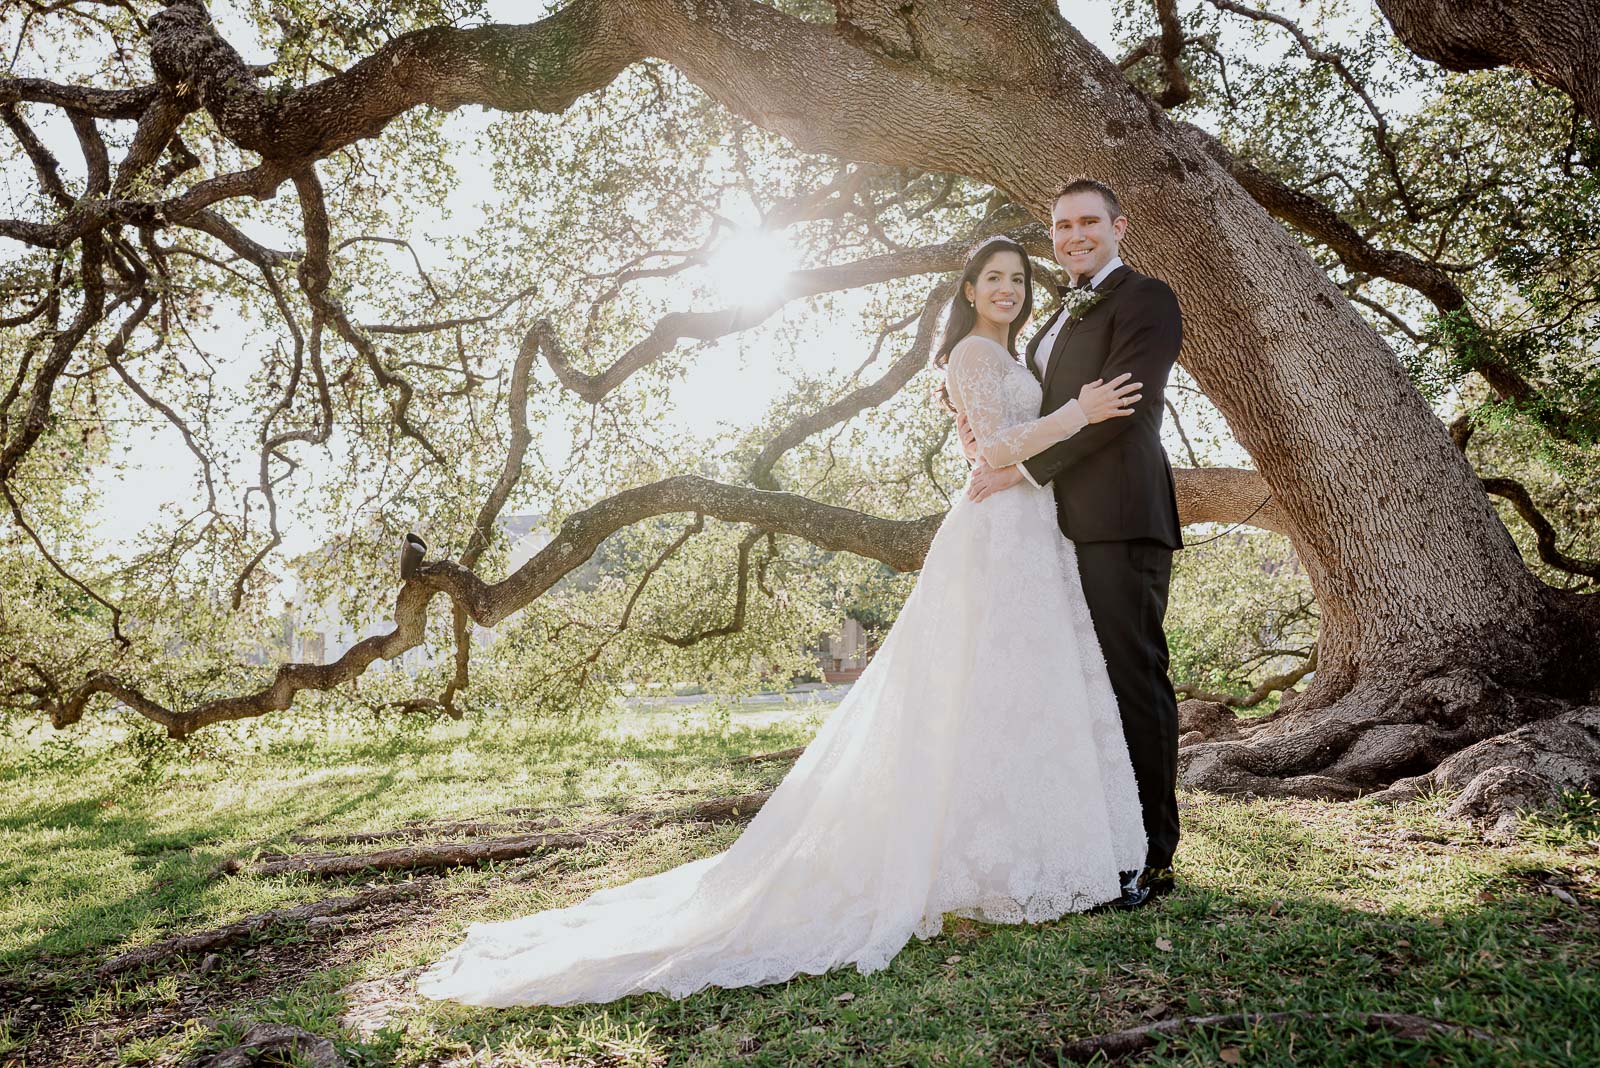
x,y
976,375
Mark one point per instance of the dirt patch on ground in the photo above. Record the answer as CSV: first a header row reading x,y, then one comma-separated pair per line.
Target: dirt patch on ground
x,y
76,1018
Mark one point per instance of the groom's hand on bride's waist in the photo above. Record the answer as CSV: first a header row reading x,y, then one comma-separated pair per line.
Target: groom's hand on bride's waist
x,y
969,440
987,480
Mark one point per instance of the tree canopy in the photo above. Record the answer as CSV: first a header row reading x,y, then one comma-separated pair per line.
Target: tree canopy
x,y
217,230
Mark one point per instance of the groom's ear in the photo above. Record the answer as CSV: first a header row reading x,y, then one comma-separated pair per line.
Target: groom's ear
x,y
1119,226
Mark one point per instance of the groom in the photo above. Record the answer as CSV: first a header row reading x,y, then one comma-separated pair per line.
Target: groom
x,y
1114,491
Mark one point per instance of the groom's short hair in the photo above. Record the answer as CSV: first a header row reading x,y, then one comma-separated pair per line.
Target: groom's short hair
x,y
1085,184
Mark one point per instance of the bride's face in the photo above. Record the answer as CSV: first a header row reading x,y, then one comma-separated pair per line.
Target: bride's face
x,y
1002,284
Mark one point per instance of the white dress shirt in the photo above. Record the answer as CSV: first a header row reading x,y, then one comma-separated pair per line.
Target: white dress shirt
x,y
1047,344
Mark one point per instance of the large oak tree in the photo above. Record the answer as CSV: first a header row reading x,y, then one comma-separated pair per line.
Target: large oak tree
x,y
1442,656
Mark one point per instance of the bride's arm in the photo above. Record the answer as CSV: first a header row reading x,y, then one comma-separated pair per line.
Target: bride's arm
x,y
976,375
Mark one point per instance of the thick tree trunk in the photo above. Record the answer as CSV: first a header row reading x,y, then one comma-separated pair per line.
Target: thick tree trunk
x,y
1435,633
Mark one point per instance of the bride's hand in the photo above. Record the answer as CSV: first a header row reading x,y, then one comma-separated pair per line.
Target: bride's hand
x,y
1101,400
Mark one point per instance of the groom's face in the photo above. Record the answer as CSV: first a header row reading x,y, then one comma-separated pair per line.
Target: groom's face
x,y
1084,233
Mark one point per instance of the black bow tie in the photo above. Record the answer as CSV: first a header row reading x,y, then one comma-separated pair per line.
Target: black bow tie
x,y
1084,283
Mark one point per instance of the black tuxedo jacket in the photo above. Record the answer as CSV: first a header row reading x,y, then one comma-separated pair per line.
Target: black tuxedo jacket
x,y
1111,479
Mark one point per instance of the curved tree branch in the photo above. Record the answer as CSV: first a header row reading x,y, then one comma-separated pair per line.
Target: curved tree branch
x,y
157,126
98,103
1229,495
706,326
1545,533
1557,42
482,534
62,347
544,66
1204,496
1169,47
899,543
313,277
45,164
56,565
1380,129
857,400
740,599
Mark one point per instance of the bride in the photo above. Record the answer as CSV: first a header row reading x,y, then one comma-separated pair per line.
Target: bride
x,y
978,766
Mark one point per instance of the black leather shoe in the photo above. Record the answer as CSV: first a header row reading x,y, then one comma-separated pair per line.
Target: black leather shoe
x,y
1134,894
1133,897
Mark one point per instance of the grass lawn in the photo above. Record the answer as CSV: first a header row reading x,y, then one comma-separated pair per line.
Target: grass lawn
x,y
1328,912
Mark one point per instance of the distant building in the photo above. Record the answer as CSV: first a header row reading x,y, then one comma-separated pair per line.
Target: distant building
x,y
845,653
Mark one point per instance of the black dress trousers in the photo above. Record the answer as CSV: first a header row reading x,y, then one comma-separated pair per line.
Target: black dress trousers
x,y
1125,584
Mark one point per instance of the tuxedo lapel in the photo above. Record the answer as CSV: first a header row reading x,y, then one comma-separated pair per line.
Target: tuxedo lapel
x,y
1114,279
1031,356
1109,283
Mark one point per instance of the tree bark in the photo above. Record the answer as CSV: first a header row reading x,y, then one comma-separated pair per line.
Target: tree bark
x,y
1557,41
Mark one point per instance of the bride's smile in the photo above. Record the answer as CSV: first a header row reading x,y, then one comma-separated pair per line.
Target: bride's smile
x,y
997,296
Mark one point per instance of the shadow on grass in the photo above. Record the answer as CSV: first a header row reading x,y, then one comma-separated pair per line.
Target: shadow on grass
x,y
98,845
1264,923
1285,907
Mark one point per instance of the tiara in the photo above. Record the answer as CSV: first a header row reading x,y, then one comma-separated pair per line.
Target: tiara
x,y
991,239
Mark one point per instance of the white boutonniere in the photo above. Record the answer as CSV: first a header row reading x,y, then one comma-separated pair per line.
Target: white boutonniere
x,y
1079,301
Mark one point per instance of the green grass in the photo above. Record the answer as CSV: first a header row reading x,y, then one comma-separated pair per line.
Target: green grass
x,y
1284,906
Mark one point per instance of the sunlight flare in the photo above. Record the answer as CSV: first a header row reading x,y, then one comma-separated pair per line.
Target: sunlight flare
x,y
750,268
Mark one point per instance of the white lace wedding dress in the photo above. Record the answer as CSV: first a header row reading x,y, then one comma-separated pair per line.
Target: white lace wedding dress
x,y
977,767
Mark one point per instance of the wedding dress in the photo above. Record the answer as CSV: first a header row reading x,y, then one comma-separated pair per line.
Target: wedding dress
x,y
977,768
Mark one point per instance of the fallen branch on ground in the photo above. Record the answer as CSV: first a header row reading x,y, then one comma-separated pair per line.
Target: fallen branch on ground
x,y
272,1043
781,754
733,808
464,828
737,808
1121,1043
421,858
239,930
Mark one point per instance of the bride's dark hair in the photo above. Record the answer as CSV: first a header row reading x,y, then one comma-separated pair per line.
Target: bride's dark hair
x,y
961,316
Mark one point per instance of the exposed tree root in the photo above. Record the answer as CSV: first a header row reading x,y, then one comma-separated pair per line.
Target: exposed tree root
x,y
733,808
1447,731
277,1044
462,828
780,754
1521,770
427,857
1122,1043
239,930
1200,720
